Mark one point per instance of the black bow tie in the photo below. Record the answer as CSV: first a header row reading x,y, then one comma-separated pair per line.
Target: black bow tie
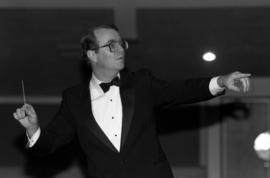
x,y
106,86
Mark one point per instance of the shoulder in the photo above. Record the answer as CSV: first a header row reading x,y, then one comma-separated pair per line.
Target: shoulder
x,y
75,89
141,73
138,77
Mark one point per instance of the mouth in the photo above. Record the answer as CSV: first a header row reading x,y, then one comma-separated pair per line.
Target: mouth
x,y
121,58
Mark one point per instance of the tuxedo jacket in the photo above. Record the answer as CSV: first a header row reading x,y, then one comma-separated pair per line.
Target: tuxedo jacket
x,y
141,155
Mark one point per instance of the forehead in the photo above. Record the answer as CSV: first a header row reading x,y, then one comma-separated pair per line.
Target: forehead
x,y
104,35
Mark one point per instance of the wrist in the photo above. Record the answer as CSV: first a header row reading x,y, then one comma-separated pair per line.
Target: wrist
x,y
32,130
220,82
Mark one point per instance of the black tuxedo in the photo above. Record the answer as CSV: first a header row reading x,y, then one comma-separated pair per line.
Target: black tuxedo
x,y
141,155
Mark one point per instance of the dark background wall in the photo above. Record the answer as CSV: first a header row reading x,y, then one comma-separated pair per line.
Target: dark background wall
x,y
41,46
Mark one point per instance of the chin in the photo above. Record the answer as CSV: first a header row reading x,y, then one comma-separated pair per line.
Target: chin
x,y
121,65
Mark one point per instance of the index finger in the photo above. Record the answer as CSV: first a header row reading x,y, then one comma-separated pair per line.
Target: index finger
x,y
241,75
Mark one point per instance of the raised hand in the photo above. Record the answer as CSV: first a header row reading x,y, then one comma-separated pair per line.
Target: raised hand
x,y
235,81
27,117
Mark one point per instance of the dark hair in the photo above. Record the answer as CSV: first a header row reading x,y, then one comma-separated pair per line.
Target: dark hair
x,y
89,41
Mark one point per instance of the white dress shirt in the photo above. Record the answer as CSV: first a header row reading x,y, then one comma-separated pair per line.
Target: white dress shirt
x,y
107,110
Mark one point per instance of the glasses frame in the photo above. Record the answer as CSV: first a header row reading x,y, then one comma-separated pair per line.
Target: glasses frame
x,y
122,43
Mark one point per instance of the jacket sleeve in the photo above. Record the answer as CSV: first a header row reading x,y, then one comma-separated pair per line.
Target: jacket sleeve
x,y
170,94
59,132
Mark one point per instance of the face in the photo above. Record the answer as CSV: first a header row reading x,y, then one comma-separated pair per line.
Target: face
x,y
104,58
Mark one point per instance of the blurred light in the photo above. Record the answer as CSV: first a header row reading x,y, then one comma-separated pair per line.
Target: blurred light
x,y
209,56
262,146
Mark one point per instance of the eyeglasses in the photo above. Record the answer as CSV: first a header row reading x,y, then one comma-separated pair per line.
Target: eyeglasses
x,y
115,46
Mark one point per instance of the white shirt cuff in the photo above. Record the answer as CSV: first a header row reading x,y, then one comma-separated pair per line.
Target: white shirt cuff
x,y
34,138
214,87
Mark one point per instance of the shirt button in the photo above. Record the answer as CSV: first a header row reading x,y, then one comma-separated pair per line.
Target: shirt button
x,y
115,135
112,117
110,99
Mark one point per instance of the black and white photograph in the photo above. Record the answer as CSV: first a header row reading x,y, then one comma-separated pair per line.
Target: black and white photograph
x,y
135,89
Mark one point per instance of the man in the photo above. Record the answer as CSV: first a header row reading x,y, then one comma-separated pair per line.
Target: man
x,y
113,113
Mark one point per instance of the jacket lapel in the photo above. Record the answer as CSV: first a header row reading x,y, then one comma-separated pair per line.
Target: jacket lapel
x,y
128,102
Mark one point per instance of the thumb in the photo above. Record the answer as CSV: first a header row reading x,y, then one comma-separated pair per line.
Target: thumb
x,y
29,110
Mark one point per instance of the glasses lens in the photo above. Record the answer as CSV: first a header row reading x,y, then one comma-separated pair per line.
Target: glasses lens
x,y
114,46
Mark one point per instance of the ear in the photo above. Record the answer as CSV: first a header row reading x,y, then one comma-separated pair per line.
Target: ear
x,y
91,54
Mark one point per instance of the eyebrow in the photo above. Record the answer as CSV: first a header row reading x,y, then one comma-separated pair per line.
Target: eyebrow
x,y
113,40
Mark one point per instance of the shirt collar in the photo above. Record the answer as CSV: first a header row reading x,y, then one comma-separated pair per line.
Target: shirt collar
x,y
95,81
